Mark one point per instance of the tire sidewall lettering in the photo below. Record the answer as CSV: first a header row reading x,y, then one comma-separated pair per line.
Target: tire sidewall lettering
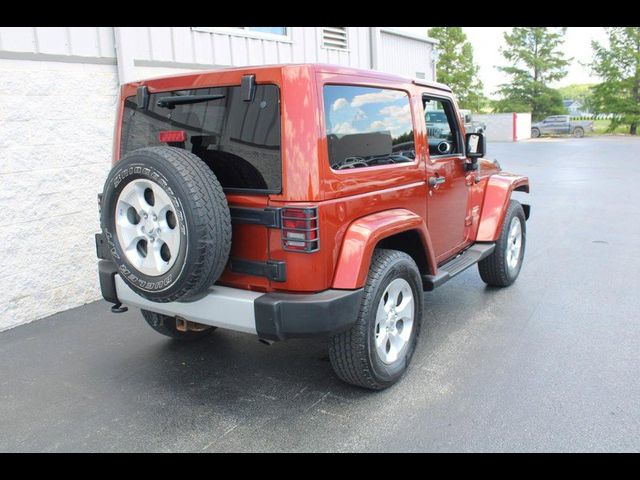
x,y
118,181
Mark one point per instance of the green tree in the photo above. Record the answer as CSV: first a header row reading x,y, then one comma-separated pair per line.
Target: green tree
x,y
535,60
618,65
455,66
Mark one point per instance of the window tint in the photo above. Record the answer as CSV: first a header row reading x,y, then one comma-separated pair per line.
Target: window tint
x,y
442,128
367,127
239,141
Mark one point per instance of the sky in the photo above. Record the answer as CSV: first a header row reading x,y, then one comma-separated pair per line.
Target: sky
x,y
486,42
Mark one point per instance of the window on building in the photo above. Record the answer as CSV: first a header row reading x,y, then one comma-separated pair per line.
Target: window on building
x,y
270,30
270,33
443,131
334,37
367,127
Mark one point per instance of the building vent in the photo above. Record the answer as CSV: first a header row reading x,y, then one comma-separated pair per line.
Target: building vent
x,y
334,37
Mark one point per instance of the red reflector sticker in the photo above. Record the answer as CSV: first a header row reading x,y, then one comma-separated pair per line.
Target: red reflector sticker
x,y
170,136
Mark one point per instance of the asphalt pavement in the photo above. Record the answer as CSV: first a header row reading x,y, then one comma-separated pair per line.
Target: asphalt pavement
x,y
550,364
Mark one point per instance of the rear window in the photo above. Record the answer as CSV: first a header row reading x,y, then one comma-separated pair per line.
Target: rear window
x,y
239,141
367,127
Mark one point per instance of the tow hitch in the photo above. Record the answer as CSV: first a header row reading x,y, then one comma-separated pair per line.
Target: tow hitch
x,y
187,326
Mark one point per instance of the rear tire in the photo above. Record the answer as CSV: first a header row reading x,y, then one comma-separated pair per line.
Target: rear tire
x,y
167,326
376,351
502,267
578,132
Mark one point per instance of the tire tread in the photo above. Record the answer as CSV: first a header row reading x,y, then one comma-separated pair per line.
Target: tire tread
x,y
493,269
348,349
211,227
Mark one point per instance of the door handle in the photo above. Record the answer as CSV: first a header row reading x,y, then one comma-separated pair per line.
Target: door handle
x,y
435,181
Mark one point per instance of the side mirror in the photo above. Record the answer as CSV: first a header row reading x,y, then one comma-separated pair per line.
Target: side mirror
x,y
476,145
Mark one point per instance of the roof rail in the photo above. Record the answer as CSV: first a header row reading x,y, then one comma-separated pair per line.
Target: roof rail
x,y
426,83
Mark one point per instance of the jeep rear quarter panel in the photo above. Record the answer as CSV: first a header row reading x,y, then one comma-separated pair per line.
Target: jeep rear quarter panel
x,y
346,196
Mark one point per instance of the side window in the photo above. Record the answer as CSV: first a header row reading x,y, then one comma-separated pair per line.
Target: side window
x,y
443,131
367,127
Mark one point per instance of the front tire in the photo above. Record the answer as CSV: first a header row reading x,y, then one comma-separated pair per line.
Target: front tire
x,y
376,351
535,133
502,267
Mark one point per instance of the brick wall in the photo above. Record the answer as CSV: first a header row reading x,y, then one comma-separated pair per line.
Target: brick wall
x,y
56,130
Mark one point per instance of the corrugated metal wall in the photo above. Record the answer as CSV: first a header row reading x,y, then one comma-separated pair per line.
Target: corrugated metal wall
x,y
188,45
162,48
405,56
92,42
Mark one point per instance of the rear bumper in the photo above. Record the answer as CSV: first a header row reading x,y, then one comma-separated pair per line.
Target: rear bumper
x,y
272,316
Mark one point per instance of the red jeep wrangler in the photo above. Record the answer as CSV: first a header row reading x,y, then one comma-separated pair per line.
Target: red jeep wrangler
x,y
300,200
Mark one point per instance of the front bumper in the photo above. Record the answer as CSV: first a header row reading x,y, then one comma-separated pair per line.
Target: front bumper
x,y
271,316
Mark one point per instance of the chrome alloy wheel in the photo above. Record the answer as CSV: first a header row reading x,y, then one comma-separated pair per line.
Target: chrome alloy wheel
x,y
147,227
394,320
514,243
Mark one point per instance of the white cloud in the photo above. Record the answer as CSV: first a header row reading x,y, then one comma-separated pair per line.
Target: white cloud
x,y
395,125
339,103
396,111
383,96
343,128
379,125
359,115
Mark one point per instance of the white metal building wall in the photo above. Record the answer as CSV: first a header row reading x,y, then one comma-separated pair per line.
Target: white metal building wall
x,y
405,55
189,45
149,51
54,43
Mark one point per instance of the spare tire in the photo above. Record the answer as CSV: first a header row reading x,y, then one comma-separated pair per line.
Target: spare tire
x,y
167,223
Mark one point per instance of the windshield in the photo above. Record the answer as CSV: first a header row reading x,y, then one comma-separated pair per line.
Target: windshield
x,y
239,141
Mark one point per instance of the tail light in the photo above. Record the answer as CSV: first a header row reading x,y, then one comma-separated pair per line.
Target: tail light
x,y
300,229
172,136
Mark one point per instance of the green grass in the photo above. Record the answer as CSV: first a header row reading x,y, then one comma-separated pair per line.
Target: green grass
x,y
600,127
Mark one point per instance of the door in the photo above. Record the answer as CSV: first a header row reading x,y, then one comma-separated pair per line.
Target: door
x,y
556,125
563,124
447,201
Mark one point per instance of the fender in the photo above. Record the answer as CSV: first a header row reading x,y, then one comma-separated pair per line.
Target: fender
x,y
497,195
363,235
